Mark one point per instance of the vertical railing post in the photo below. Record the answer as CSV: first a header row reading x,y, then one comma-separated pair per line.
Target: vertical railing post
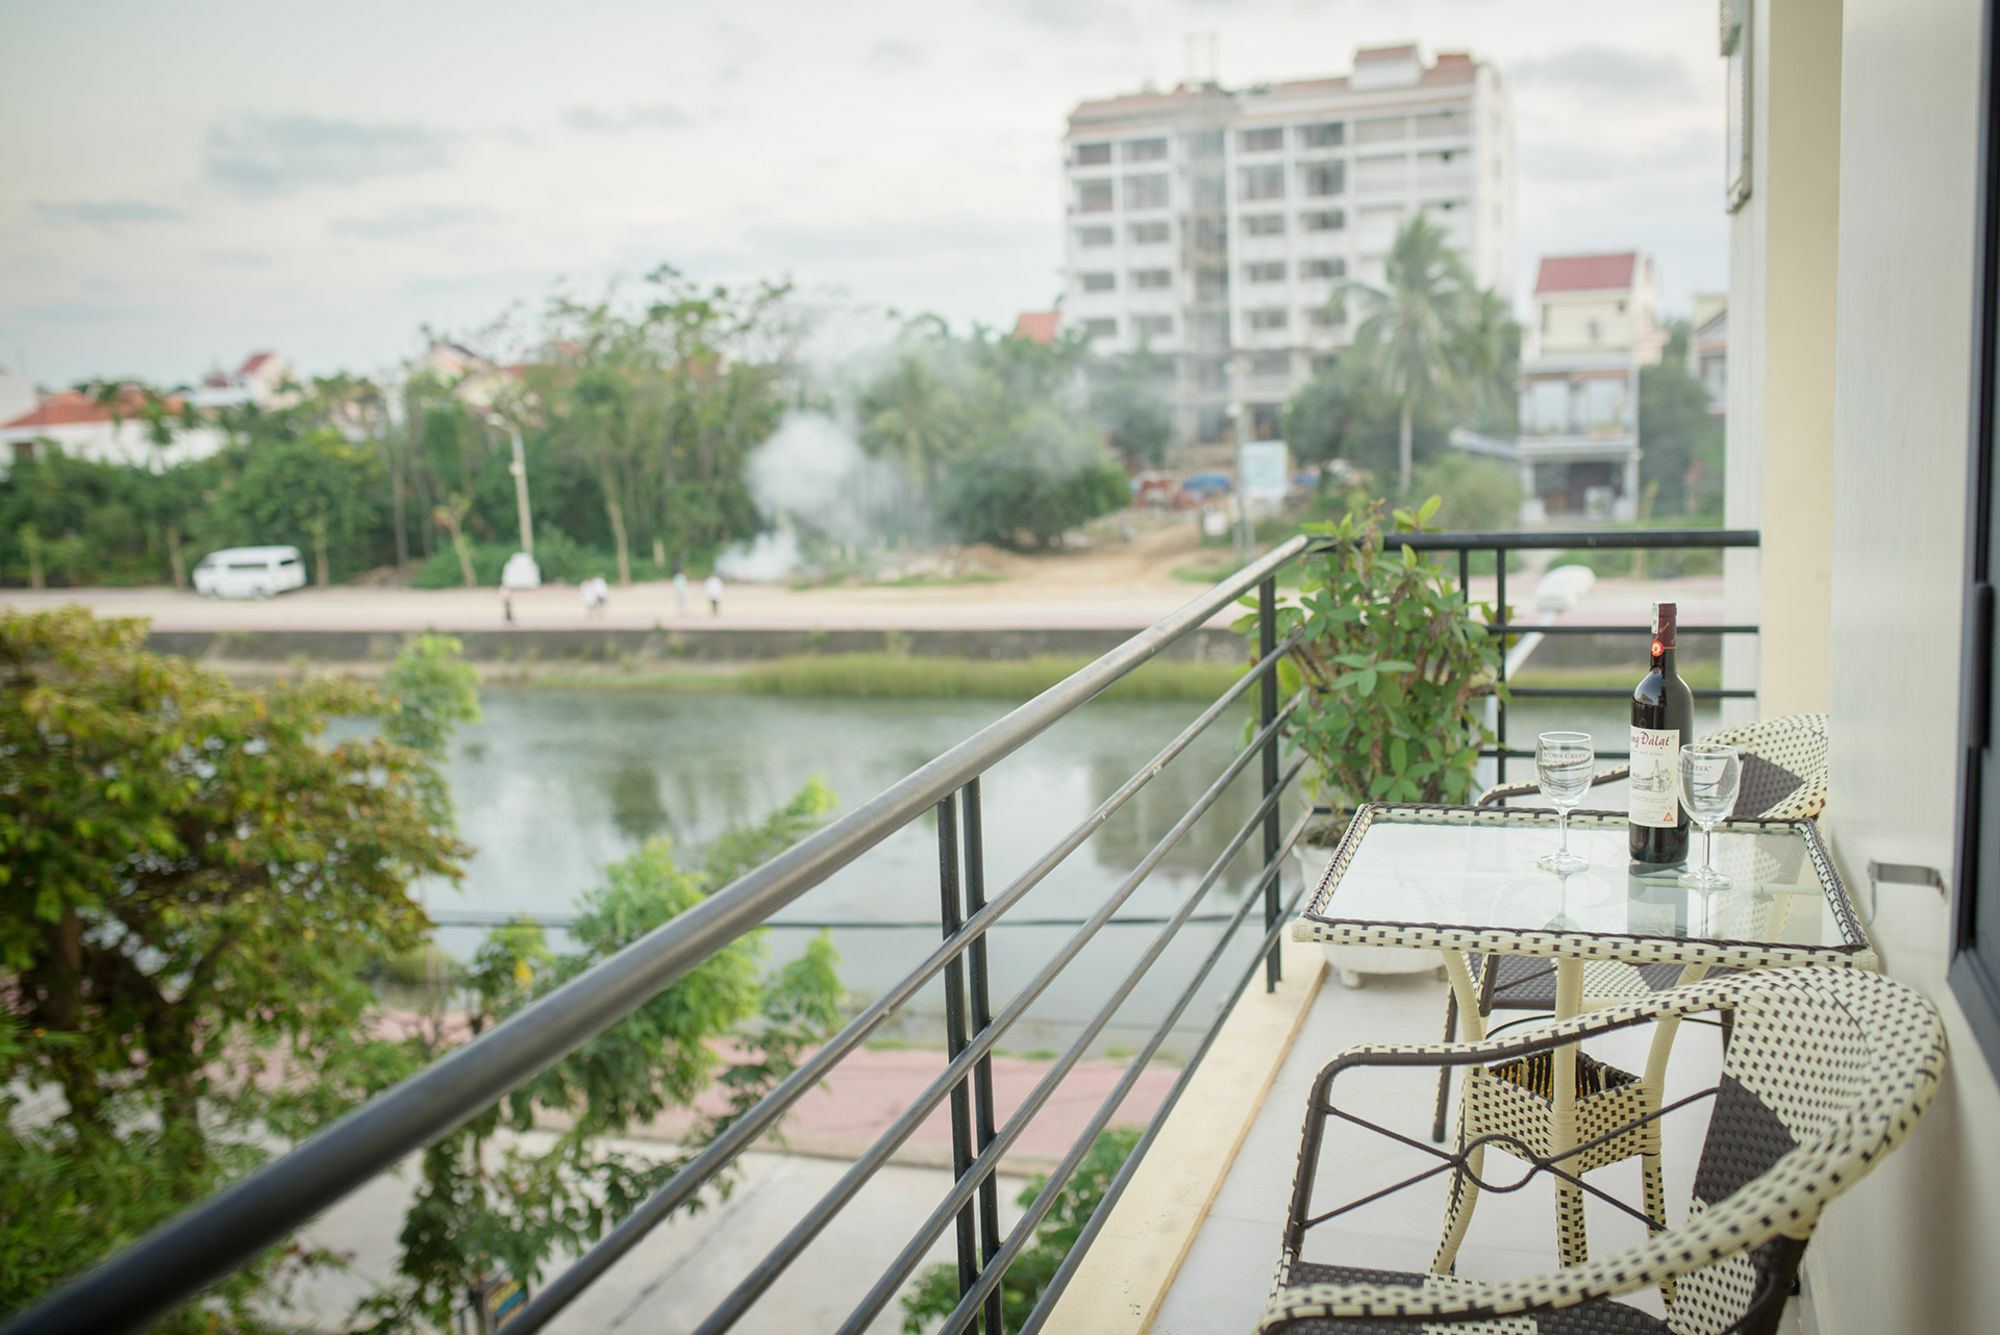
x,y
984,1124
953,917
1267,709
1500,610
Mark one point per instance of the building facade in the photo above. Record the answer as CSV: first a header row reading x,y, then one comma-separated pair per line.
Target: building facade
x,y
1708,349
81,427
1596,323
1211,226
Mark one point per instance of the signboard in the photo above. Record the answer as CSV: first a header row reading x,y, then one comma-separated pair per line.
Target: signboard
x,y
497,1302
1263,471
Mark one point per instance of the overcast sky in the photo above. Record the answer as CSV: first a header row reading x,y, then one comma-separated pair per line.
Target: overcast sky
x,y
186,182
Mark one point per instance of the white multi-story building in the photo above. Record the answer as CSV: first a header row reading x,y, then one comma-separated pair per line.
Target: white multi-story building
x,y
1211,225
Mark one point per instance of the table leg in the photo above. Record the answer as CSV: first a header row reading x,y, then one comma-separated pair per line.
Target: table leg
x,y
1570,1242
1664,1030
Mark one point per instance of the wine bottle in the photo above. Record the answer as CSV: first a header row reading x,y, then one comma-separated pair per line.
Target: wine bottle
x,y
1662,719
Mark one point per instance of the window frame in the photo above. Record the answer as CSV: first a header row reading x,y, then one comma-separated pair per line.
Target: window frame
x,y
1974,978
1266,173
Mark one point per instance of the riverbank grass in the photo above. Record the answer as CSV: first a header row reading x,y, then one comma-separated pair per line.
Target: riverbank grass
x,y
895,677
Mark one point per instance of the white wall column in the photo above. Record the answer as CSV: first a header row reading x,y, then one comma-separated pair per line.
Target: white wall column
x,y
1781,384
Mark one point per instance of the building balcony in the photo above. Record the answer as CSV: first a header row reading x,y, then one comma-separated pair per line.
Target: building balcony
x,y
1189,1231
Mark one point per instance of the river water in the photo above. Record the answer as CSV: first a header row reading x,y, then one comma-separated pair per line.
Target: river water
x,y
550,786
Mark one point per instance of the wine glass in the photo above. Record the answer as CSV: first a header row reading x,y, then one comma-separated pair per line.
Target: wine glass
x,y
1710,774
1565,763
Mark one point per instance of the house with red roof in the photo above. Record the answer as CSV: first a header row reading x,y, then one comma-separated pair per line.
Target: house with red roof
x,y
82,426
1038,326
1596,323
264,379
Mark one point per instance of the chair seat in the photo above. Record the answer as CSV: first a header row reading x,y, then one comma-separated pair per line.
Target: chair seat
x,y
1599,1316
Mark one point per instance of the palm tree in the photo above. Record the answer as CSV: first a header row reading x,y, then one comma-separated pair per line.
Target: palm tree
x,y
1416,336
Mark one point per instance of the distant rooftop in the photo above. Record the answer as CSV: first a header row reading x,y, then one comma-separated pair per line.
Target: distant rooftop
x,y
1586,273
1375,68
1037,326
70,408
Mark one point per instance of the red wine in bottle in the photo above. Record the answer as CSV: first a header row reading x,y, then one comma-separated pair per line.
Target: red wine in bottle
x,y
1662,719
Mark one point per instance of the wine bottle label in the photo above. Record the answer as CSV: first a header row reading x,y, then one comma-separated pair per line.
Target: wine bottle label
x,y
1656,760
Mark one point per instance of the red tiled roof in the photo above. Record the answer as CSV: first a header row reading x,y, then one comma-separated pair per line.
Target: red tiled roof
x,y
255,360
1037,326
1586,273
69,408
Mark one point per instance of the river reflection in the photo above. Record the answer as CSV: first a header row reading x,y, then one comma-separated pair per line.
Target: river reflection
x,y
550,786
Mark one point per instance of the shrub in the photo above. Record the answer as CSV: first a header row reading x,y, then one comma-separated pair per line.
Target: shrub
x,y
1393,663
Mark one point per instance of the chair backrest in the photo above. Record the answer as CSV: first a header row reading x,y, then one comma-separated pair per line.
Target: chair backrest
x,y
1826,1070
1784,766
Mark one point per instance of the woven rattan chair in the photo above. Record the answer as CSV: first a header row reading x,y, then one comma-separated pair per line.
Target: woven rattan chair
x,y
1829,1069
1784,777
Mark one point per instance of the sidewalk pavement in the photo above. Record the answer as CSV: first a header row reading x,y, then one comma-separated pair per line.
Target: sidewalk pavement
x,y
687,1265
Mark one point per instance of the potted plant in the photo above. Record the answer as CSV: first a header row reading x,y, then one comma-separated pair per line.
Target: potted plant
x,y
1396,667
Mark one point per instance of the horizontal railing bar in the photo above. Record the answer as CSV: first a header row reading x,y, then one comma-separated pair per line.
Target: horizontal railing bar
x,y
1017,1122
809,1226
1658,539
1610,693
137,1286
1636,629
670,1195
1060,1280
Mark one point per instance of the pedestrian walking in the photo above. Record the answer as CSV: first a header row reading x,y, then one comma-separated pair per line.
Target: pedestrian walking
x,y
714,587
680,589
507,602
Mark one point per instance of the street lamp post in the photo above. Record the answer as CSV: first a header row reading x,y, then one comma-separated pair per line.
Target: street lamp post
x,y
519,468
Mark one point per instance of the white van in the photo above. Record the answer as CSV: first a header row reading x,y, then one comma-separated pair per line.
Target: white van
x,y
249,572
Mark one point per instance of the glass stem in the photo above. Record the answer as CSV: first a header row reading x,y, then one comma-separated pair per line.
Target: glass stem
x,y
1708,848
1562,824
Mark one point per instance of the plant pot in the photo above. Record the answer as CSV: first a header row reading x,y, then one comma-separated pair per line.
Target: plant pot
x,y
1355,963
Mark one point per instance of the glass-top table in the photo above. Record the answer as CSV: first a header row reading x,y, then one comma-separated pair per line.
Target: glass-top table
x,y
1465,879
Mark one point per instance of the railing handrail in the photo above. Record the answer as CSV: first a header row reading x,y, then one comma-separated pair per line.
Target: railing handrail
x,y
1664,539
183,1255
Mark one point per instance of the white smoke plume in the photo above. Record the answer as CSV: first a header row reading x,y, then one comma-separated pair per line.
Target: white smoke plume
x,y
810,477
766,561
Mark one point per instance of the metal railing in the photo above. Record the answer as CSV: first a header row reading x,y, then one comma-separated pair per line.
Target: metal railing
x,y
173,1264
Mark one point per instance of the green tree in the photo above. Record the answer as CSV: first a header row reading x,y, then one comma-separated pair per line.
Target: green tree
x,y
1033,483
660,402
912,413
1418,338
193,879
1680,443
1129,403
1343,413
1475,494
308,488
486,1204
